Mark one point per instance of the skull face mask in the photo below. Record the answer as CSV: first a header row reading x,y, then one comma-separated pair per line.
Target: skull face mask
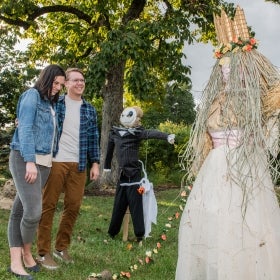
x,y
131,117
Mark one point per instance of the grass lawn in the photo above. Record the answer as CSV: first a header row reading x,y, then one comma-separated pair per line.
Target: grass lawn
x,y
94,252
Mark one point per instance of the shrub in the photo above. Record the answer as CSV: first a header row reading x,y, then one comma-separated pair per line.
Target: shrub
x,y
160,158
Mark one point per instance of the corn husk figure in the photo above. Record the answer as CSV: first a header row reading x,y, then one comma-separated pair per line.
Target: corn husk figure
x,y
230,227
248,101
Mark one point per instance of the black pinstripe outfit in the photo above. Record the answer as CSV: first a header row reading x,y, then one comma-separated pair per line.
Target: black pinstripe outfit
x,y
126,142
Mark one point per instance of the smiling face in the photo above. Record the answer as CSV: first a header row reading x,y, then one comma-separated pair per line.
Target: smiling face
x,y
75,85
57,85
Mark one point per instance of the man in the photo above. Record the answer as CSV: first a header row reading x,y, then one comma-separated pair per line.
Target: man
x,y
79,143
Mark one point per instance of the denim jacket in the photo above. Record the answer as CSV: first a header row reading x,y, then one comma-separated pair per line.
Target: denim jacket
x,y
35,131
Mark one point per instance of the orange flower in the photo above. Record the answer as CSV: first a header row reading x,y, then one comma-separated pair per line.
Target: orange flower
x,y
235,45
247,47
163,237
141,190
177,215
126,274
147,259
158,245
218,54
253,41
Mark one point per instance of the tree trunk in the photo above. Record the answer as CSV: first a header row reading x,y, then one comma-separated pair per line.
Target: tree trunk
x,y
112,92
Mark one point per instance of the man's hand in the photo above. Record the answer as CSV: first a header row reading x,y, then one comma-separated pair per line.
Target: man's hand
x,y
94,171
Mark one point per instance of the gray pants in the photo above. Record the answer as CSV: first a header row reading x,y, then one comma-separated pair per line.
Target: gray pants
x,y
27,207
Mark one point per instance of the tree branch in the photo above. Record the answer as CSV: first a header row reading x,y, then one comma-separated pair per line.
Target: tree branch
x,y
17,22
134,11
59,8
39,11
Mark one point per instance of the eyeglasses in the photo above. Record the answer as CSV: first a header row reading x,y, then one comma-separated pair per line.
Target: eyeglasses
x,y
77,81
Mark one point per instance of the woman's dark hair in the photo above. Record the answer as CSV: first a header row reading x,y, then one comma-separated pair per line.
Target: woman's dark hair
x,y
45,81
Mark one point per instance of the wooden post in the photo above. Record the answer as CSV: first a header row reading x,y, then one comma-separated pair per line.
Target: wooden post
x,y
125,224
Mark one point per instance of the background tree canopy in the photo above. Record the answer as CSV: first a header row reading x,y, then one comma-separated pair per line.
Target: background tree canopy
x,y
131,51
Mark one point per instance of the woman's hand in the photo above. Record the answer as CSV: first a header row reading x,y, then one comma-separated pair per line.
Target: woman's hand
x,y
31,172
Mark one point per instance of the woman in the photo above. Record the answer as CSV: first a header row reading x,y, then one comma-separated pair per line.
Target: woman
x,y
30,161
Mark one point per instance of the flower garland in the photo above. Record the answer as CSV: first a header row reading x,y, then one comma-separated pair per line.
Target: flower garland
x,y
148,258
236,45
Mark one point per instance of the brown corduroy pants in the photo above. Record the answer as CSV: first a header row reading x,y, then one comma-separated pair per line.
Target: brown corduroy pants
x,y
64,177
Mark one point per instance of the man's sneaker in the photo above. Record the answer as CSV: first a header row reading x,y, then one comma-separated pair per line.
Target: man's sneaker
x,y
47,261
63,256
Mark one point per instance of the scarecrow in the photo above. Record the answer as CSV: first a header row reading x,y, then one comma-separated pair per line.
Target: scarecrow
x,y
230,227
125,141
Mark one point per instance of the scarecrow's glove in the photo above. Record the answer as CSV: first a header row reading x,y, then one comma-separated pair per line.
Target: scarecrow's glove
x,y
171,139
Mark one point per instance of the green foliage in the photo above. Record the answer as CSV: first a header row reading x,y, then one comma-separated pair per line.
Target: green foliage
x,y
14,74
114,32
161,158
5,138
177,107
